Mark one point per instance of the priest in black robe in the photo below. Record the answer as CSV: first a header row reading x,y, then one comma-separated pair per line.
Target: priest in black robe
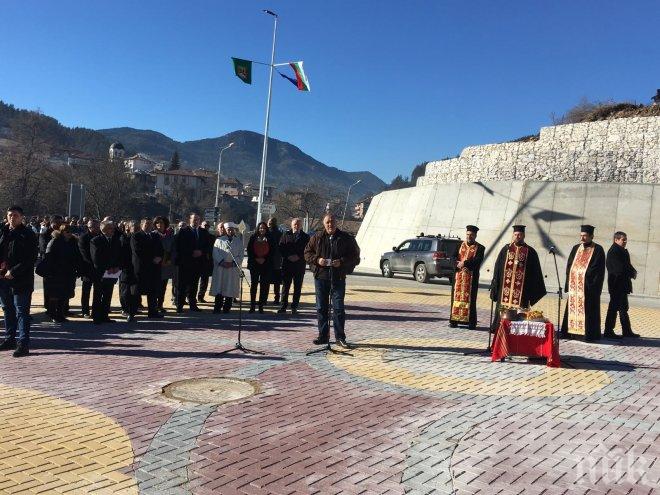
x,y
585,274
468,255
517,276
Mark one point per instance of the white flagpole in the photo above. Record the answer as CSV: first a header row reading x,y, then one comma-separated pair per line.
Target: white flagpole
x,y
264,154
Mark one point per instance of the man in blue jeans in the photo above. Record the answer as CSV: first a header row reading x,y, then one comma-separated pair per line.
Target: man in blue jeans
x,y
18,253
332,254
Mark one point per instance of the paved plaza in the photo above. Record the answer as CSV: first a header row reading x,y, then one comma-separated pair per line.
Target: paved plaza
x,y
413,408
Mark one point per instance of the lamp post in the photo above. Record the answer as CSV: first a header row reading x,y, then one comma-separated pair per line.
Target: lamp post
x,y
346,205
264,153
217,184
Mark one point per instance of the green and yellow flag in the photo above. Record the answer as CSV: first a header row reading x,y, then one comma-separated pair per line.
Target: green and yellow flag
x,y
243,69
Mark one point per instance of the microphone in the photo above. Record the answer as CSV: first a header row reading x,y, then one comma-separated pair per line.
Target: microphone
x,y
552,250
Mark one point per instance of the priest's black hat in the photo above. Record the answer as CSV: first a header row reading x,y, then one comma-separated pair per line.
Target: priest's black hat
x,y
588,229
472,228
519,228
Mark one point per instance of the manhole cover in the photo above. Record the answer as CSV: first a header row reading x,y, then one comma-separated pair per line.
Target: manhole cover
x,y
210,390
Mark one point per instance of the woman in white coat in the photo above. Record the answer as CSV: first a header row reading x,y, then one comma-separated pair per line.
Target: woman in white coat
x,y
226,281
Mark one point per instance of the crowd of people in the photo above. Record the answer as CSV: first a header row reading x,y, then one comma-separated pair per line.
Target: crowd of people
x,y
143,257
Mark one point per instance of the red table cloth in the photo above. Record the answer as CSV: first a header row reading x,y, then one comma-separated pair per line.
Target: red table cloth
x,y
507,344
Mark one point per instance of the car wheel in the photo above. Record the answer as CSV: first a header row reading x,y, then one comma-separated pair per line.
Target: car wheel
x,y
421,275
386,269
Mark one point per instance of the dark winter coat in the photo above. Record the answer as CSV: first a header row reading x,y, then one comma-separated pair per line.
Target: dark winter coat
x,y
144,248
342,247
86,264
63,260
266,266
291,244
620,271
186,241
18,253
105,253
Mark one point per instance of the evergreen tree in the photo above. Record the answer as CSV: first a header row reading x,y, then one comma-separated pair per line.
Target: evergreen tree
x,y
175,163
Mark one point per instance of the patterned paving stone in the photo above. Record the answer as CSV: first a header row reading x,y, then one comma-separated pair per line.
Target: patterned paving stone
x,y
405,412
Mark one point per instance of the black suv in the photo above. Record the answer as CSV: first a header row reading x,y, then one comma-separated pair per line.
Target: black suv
x,y
424,257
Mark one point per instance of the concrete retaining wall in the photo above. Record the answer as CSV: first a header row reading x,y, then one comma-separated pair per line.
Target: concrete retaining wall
x,y
552,211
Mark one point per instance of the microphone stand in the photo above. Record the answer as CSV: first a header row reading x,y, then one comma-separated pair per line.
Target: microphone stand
x,y
327,348
238,346
559,295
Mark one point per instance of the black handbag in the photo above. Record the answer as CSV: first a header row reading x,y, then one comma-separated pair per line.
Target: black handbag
x,y
43,267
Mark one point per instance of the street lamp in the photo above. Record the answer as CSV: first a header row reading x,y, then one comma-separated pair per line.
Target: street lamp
x,y
346,205
217,184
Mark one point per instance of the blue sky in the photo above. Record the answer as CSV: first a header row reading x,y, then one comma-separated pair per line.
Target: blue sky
x,y
393,83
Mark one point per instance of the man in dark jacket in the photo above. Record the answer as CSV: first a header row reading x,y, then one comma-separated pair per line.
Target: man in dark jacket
x,y
18,253
207,270
44,238
105,250
193,251
292,250
275,275
332,254
620,274
87,267
147,255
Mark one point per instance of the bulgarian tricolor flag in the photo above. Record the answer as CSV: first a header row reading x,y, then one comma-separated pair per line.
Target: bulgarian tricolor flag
x,y
301,82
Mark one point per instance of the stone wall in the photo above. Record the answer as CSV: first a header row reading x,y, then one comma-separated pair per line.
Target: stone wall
x,y
553,212
620,150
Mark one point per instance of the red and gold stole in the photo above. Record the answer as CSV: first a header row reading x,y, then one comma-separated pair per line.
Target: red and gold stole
x,y
460,308
514,276
576,314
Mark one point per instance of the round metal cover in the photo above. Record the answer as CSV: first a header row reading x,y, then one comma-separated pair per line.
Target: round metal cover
x,y
210,390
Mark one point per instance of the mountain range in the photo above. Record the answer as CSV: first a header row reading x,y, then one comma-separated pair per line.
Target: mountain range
x,y
288,166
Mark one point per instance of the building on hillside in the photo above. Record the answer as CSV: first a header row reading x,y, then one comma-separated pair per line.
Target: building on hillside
x,y
117,151
70,157
170,181
252,191
361,207
140,163
230,186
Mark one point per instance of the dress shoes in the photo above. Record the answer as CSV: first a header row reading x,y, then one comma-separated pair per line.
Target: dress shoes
x,y
8,345
196,309
631,334
21,350
320,341
612,336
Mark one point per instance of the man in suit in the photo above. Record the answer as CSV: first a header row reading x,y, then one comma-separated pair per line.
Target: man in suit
x,y
193,252
292,250
105,251
147,255
87,266
620,274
